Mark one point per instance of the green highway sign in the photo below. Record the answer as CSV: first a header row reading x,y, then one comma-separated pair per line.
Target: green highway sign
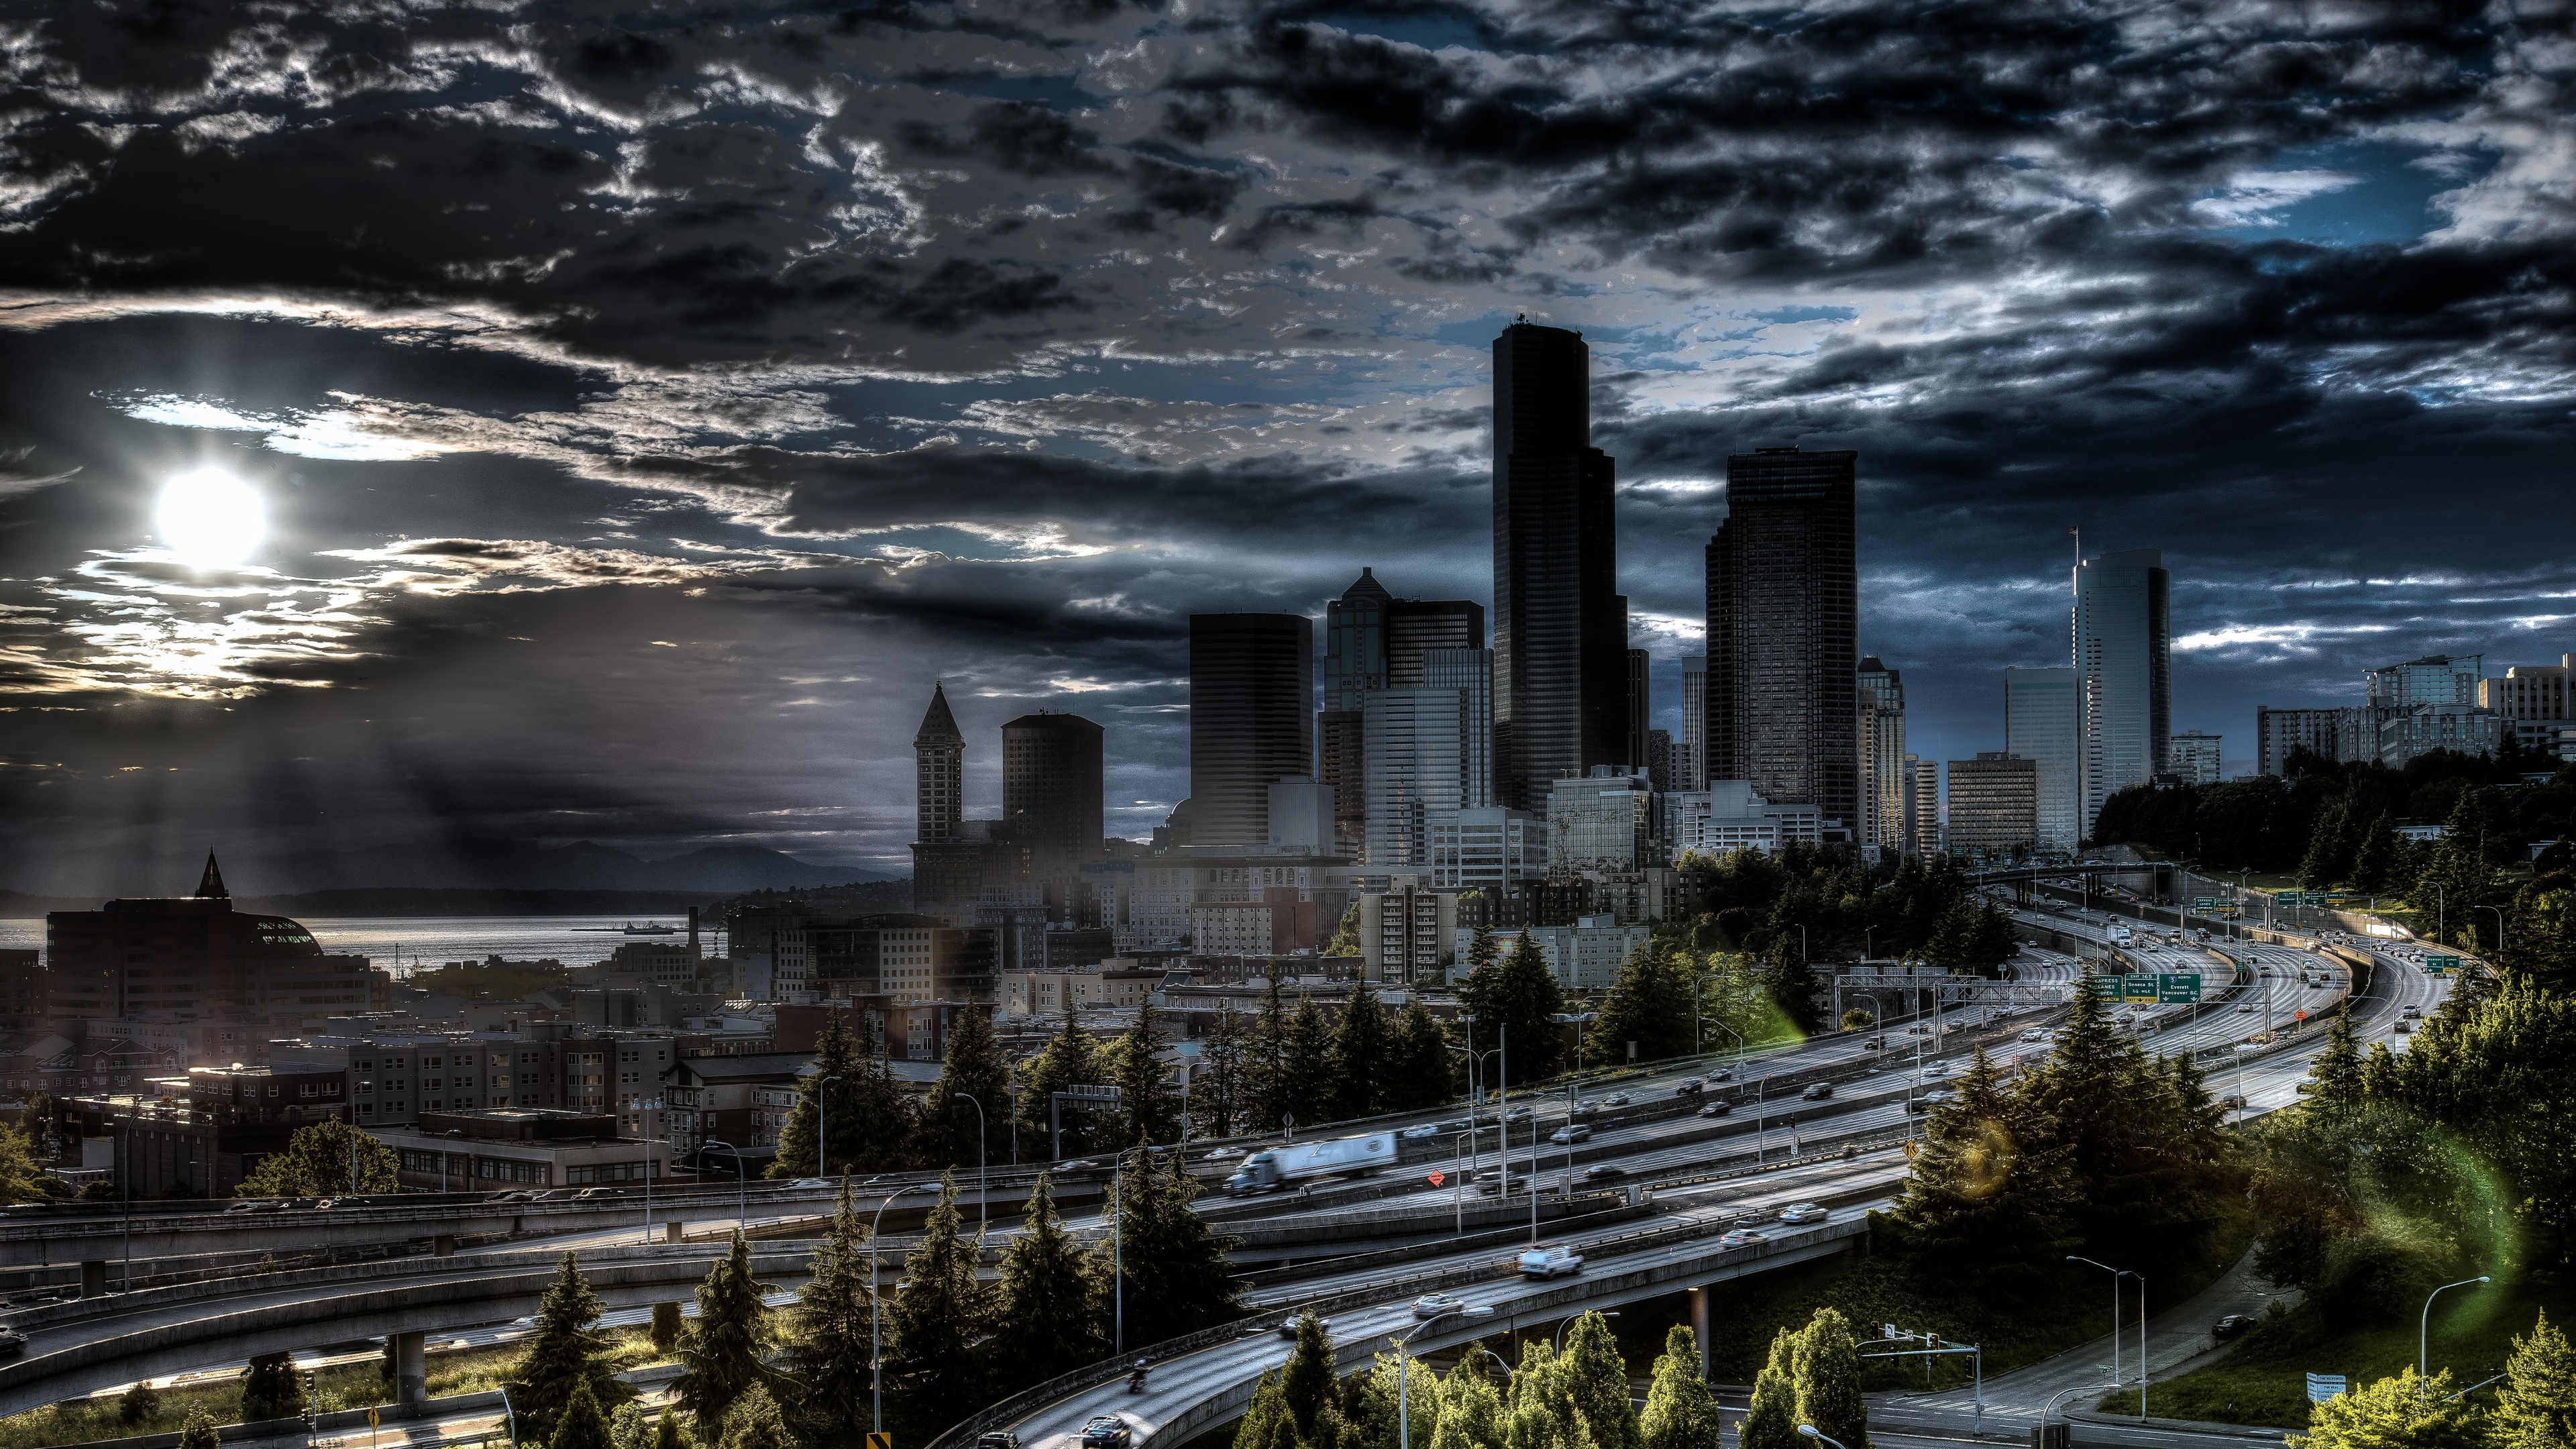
x,y
2436,965
2204,903
2178,990
2149,990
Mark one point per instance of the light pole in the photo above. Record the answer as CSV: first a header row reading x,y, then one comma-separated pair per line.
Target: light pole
x,y
514,1416
2116,1275
876,1302
2499,915
2424,1330
983,1198
648,1105
1403,1420
1812,1432
1569,1323
741,1195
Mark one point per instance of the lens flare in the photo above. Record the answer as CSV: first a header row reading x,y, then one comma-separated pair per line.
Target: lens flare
x,y
209,519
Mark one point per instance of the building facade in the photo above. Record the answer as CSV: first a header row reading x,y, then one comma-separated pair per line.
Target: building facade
x,y
1051,789
1407,933
1994,805
2530,691
1728,815
1881,741
195,958
2123,635
1355,662
1690,747
2433,679
1608,820
2196,758
1783,604
1560,627
1252,721
1494,850
2040,720
1418,767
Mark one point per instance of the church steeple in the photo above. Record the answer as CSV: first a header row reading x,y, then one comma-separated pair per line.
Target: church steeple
x,y
939,782
210,886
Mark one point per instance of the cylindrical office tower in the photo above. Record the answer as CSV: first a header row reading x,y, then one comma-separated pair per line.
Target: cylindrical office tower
x,y
1051,788
1252,721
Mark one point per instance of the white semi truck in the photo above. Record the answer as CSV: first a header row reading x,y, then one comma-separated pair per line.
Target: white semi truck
x,y
1275,1168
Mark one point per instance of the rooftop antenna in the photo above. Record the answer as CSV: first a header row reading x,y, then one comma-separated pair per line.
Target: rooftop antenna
x,y
2078,531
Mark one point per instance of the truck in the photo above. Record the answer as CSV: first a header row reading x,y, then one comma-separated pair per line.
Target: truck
x,y
1546,1260
1275,1169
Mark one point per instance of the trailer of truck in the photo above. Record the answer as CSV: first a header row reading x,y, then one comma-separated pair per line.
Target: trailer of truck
x,y
1275,1168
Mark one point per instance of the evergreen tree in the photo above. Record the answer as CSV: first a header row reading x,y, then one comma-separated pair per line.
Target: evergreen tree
x,y
670,1433
755,1422
1307,1380
1220,1090
1069,1059
581,1425
2338,1067
949,1131
1471,1414
1481,949
1596,1383
1262,1077
1792,984
1771,1419
1050,1307
1982,1204
138,1405
1680,1412
567,1351
666,1327
1355,1058
1299,1083
1266,1422
1649,1006
937,1318
1177,1277
1826,1369
1149,1106
1516,1002
721,1352
2536,1408
628,1428
2330,848
2405,1412
1345,940
1419,1071
868,1116
316,1164
831,1335
1541,1414
1396,1390
199,1432
2379,857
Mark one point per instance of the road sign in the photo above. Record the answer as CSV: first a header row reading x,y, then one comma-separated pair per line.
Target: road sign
x,y
2436,965
2178,990
2142,990
880,1441
2321,1387
371,1416
2301,1013
1436,1177
2204,904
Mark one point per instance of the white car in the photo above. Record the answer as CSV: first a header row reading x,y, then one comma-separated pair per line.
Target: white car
x,y
1223,1154
2034,1034
813,1182
1547,1260
1432,1305
1805,1212
1427,1129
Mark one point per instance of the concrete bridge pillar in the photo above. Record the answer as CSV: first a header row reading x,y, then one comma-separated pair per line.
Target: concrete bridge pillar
x,y
1699,1327
93,1280
411,1374
672,1232
442,1245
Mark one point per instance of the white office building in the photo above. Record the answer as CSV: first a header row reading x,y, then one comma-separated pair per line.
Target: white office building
x,y
1608,820
1585,956
2124,676
2194,756
1494,850
1728,816
1690,749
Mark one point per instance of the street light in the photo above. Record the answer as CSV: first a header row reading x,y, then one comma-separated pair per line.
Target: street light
x,y
1812,1432
514,1416
2424,1330
1403,1420
741,1196
1569,1323
2116,1275
876,1298
2499,915
649,1105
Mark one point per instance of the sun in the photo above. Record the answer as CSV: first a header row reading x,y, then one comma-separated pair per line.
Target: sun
x,y
209,519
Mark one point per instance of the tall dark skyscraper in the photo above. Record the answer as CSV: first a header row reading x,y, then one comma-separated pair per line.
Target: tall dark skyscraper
x,y
1252,721
1640,704
1051,789
1560,627
1416,626
1783,605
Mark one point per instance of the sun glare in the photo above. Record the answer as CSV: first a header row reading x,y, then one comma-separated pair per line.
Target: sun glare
x,y
210,519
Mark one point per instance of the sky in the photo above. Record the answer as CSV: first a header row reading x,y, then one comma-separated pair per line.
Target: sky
x,y
558,422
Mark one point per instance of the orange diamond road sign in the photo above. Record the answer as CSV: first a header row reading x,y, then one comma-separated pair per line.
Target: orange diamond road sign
x,y
2301,1013
1438,1177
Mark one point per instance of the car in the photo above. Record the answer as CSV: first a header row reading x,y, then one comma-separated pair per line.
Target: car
x,y
522,1195
1930,1100
1106,1431
1415,1134
1518,1114
596,1194
2413,1013
810,1184
1289,1329
1617,1099
1570,1134
2247,1007
2233,1325
2034,1034
2231,1100
1722,1074
1432,1305
1585,1109
2405,1027
12,1343
1717,1109
1803,1212
2307,1085
246,1205
1083,1164
1546,1260
1491,1184
1691,1088
559,1194
997,1439
1874,1044
1603,1172
1741,1238
1817,1091
1223,1154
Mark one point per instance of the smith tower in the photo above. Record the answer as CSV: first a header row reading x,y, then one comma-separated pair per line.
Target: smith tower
x,y
939,781
1560,626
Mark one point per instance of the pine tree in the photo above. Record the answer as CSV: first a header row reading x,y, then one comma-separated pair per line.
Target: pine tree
x,y
756,1423
670,1433
2338,1067
1771,1419
1419,1071
831,1335
581,1425
1307,1380
139,1404
1069,1059
1220,1090
1792,984
1266,1422
1680,1412
936,1319
1355,1060
1481,949
1649,1006
1516,1002
2378,858
567,1351
1981,1203
1177,1277
628,1428
721,1352
836,1061
1471,1414
950,1131
1596,1381
1396,1390
666,1327
1050,1303
1149,1107
199,1432
2536,1407
1299,1084
1826,1368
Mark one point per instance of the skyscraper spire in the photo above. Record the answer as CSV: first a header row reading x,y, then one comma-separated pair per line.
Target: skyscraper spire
x,y
939,781
210,886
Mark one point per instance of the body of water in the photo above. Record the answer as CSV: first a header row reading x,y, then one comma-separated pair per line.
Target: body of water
x,y
436,940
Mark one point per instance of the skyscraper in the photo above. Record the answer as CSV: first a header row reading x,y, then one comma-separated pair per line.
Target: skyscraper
x,y
2039,726
2195,757
1252,700
939,772
1051,783
1690,749
1783,600
1471,673
1881,706
1992,804
1414,627
1560,628
1355,662
2124,671
1417,768
1640,704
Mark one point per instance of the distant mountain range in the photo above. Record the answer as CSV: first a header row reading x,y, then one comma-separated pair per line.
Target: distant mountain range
x,y
469,865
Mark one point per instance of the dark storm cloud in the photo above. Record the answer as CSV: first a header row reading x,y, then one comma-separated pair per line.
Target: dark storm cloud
x,y
703,380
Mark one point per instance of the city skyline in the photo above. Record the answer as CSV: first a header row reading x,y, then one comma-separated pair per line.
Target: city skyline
x,y
634,487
